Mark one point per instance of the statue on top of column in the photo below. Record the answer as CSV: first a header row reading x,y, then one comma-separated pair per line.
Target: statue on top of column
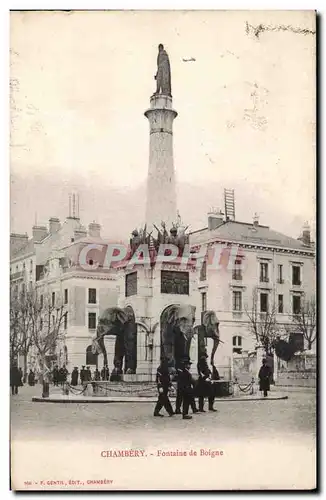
x,y
163,75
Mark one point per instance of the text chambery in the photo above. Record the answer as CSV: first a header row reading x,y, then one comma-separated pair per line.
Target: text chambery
x,y
122,453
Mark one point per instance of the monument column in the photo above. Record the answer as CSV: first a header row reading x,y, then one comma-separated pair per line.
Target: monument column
x,y
161,191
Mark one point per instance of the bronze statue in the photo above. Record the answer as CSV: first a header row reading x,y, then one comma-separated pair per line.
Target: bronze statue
x,y
163,75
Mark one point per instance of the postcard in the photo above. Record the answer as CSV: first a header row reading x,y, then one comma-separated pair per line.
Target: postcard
x,y
163,329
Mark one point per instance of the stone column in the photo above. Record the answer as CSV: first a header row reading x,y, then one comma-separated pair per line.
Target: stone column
x,y
161,190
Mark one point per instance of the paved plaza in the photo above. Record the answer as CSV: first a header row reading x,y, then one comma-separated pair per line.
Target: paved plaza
x,y
264,442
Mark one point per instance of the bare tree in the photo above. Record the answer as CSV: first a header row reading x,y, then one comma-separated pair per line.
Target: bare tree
x,y
47,317
305,321
263,325
20,326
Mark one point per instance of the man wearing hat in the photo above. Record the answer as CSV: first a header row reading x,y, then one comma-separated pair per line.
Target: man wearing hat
x,y
186,387
179,398
164,384
82,374
205,388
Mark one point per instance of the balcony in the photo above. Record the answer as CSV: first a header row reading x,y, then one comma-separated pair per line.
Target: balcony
x,y
236,276
280,281
264,279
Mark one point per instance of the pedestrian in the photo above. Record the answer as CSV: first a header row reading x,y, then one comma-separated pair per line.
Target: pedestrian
x,y
14,379
187,384
82,374
55,375
205,388
88,374
74,376
164,384
179,398
31,378
61,375
97,375
264,376
21,383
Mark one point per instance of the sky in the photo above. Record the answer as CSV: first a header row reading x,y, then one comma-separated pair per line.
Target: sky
x,y
81,82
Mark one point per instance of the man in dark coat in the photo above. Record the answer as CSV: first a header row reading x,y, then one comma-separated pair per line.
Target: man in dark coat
x,y
187,385
179,398
55,375
31,378
164,384
14,379
88,377
82,374
97,375
264,376
74,376
21,383
205,388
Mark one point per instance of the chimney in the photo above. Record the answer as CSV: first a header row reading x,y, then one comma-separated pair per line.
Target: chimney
x,y
54,225
94,230
306,240
215,219
80,233
17,241
39,233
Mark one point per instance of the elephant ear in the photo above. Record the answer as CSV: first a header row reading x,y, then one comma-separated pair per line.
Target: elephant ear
x,y
211,323
172,315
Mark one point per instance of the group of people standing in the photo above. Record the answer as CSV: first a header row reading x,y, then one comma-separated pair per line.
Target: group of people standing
x,y
85,375
59,375
187,388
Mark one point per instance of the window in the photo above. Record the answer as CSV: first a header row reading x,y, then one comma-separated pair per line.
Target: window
x,y
92,321
66,295
280,273
237,271
296,304
30,285
237,301
72,240
53,319
41,301
53,299
237,344
131,284
41,323
280,304
203,301
92,295
31,266
23,288
24,265
203,271
296,275
264,302
65,321
264,272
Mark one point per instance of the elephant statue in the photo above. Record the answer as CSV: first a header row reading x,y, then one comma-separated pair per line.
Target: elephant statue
x,y
120,323
177,330
208,329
